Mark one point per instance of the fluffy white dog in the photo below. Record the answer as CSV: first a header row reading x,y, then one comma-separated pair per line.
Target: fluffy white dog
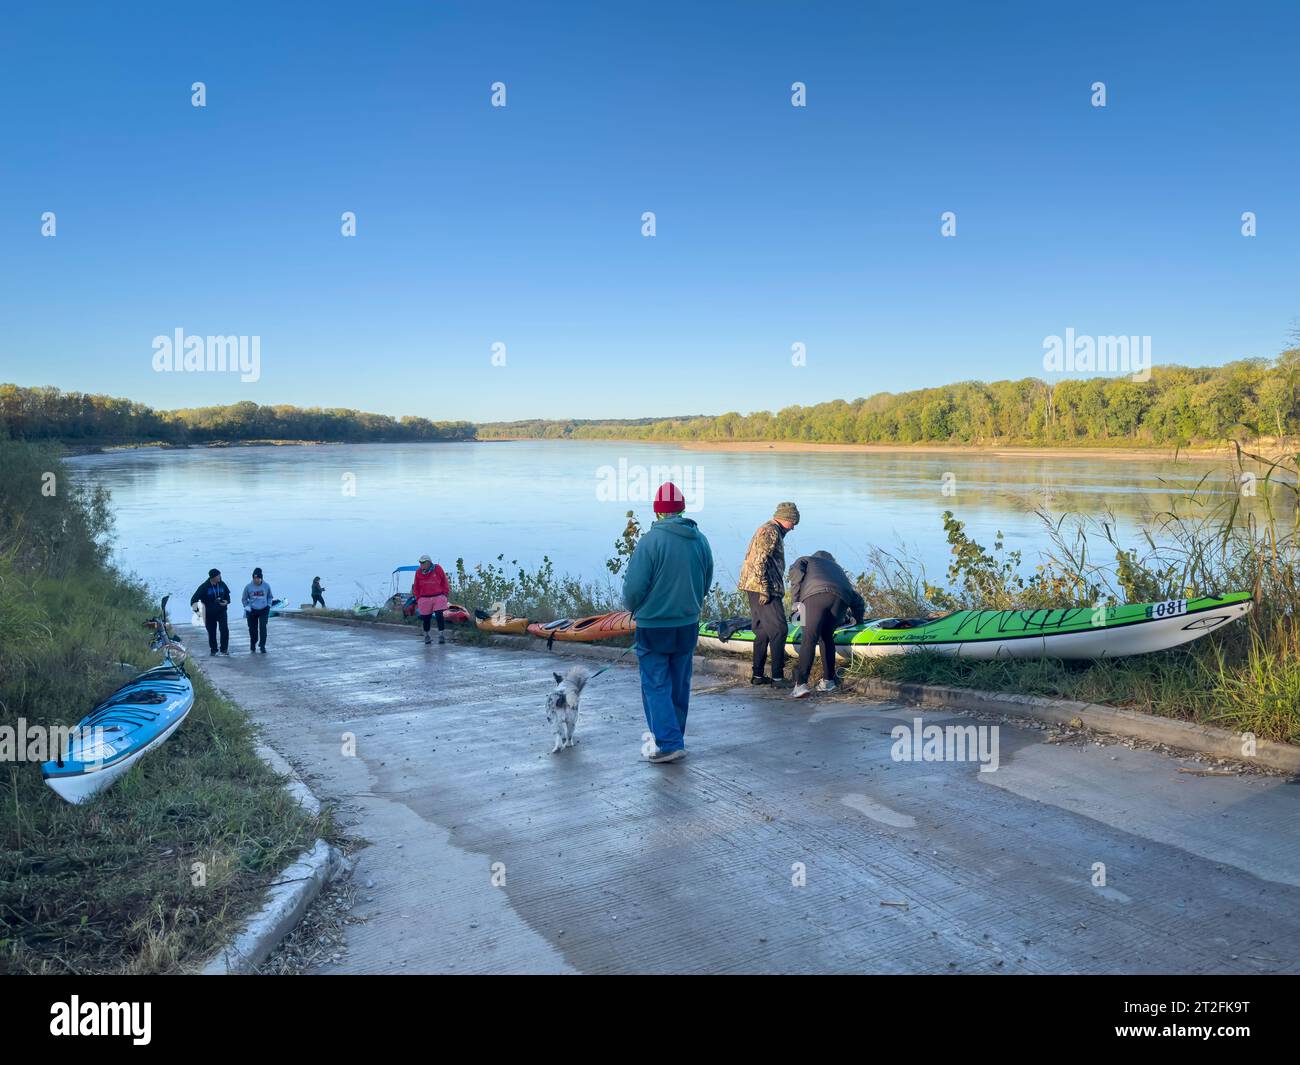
x,y
562,705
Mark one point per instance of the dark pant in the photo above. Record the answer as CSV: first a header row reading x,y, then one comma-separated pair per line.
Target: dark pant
x,y
212,619
822,615
665,659
426,618
257,627
316,597
770,630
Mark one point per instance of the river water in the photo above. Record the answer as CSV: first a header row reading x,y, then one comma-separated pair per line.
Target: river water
x,y
351,513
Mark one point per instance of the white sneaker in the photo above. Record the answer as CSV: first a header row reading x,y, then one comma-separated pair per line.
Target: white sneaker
x,y
828,686
801,691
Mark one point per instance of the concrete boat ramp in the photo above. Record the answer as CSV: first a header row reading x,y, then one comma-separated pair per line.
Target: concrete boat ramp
x,y
788,841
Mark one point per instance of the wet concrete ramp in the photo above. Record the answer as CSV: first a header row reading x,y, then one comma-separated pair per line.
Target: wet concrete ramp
x,y
788,841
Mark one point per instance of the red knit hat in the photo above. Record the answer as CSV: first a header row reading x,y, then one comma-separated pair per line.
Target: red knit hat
x,y
669,499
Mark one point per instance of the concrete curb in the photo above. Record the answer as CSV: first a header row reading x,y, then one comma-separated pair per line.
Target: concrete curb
x,y
289,896
286,901
1115,720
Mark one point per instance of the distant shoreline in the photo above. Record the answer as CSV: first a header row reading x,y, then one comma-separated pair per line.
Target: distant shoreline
x,y
999,451
1128,453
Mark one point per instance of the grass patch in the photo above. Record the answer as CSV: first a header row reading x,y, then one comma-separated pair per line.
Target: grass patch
x,y
112,886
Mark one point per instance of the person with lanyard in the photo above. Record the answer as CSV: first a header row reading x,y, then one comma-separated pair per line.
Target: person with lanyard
x,y
214,595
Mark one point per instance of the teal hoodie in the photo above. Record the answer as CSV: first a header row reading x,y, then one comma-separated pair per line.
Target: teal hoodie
x,y
670,574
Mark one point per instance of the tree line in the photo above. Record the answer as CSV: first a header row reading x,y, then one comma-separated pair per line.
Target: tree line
x,y
1246,400
78,417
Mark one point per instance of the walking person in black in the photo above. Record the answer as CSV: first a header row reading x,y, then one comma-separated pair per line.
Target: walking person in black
x,y
214,594
828,597
257,607
317,592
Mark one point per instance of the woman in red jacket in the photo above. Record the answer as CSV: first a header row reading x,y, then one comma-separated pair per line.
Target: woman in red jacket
x,y
430,589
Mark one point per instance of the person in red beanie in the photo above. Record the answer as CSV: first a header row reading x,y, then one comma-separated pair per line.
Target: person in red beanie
x,y
670,574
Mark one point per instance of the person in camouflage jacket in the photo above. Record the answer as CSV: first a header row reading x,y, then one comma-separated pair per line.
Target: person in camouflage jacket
x,y
762,579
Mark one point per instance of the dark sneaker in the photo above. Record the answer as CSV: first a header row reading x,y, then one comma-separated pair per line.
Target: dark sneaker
x,y
780,682
212,654
760,680
263,650
663,757
441,638
428,639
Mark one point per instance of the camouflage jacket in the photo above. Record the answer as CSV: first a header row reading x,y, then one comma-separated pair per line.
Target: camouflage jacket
x,y
763,570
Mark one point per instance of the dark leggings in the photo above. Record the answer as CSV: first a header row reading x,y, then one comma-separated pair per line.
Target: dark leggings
x,y
316,597
770,630
822,615
426,618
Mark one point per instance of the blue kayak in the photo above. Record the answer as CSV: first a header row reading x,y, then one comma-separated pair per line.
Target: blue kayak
x,y
115,735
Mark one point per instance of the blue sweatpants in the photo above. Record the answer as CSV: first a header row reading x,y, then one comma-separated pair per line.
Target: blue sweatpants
x,y
665,659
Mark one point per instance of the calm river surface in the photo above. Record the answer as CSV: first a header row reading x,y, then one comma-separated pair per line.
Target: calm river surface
x,y
351,513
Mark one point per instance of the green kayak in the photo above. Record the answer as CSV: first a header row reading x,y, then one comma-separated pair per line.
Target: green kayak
x,y
1072,632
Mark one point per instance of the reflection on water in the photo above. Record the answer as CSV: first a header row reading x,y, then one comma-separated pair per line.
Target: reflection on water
x,y
351,513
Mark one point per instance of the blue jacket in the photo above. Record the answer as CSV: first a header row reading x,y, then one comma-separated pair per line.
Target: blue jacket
x,y
670,574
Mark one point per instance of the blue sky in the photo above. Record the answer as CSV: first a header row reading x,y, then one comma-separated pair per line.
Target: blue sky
x,y
522,224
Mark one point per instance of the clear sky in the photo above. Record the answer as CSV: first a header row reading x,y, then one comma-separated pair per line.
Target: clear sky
x,y
522,225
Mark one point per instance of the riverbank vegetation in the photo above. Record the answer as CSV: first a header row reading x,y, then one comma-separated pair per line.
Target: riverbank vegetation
x,y
1251,399
81,420
109,886
1245,678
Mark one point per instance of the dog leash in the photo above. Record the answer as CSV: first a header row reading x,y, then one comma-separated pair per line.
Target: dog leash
x,y
613,663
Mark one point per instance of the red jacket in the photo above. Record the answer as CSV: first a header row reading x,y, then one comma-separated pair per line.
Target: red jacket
x,y
432,583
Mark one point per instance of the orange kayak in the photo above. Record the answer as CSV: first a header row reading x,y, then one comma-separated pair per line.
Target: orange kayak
x,y
586,630
506,624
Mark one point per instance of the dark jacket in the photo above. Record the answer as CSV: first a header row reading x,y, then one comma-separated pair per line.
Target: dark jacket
x,y
820,574
214,597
